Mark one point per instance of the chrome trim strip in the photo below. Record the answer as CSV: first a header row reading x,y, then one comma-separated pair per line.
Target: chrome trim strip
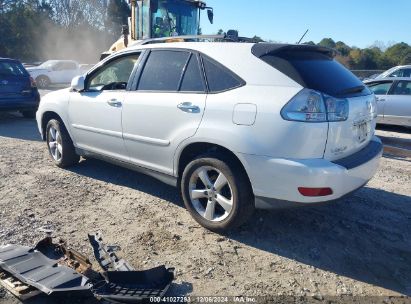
x,y
99,131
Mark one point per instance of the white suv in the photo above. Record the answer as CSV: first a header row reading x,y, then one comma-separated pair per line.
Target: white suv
x,y
234,125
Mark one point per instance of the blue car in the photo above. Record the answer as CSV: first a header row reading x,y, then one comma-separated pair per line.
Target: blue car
x,y
18,91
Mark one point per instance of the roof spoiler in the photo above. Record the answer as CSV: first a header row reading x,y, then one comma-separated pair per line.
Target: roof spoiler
x,y
261,49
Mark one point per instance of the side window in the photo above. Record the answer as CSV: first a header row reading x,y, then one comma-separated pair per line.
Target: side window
x,y
380,88
163,71
220,78
114,75
70,66
402,88
59,66
401,73
406,73
193,80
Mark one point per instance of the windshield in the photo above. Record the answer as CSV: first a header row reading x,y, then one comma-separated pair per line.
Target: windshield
x,y
48,64
175,18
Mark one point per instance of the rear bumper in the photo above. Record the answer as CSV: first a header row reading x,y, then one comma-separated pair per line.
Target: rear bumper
x,y
276,181
20,103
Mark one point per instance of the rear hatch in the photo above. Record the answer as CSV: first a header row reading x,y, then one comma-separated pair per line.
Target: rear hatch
x,y
14,80
314,68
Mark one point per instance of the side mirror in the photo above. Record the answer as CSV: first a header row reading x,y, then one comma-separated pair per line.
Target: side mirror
x,y
210,14
78,83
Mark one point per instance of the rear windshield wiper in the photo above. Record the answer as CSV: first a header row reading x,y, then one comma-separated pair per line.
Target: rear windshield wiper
x,y
357,89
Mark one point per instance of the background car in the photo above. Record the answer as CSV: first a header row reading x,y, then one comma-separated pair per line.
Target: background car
x,y
18,91
55,72
393,100
398,71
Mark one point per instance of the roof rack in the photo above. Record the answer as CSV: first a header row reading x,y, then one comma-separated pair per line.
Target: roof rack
x,y
195,38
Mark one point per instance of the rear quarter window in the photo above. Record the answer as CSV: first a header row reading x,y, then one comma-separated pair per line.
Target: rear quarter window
x,y
220,78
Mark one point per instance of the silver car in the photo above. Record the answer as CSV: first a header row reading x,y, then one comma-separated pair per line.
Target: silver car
x,y
393,100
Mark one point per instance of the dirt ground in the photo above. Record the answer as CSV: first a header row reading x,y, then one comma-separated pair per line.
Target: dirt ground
x,y
360,246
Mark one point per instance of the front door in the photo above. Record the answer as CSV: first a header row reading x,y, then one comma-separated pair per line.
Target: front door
x,y
95,114
165,109
397,109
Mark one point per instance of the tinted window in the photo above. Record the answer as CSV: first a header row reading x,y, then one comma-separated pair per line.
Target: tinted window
x,y
317,71
163,71
401,73
9,68
402,88
220,78
380,88
114,75
192,81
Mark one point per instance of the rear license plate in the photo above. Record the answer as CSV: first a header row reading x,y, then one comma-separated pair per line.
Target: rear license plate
x,y
363,130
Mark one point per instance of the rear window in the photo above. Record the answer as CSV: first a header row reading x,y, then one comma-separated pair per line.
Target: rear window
x,y
9,68
317,71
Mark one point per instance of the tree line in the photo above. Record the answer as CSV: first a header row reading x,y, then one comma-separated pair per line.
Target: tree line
x,y
37,30
376,57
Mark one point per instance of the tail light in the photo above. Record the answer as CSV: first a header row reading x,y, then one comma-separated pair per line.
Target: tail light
x,y
33,83
315,192
313,106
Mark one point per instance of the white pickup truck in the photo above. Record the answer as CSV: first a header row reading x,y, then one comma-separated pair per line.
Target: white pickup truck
x,y
56,72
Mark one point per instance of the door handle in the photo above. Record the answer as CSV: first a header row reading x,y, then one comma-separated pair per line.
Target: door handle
x,y
380,99
188,107
114,103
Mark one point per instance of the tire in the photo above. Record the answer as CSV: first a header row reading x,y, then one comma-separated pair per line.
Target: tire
x,y
60,145
237,193
43,82
29,113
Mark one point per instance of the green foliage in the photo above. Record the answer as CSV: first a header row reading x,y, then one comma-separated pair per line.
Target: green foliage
x,y
371,58
327,42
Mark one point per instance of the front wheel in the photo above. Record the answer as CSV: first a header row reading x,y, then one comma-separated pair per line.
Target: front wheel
x,y
217,193
60,145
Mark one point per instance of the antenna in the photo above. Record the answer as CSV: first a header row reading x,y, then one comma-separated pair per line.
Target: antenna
x,y
303,36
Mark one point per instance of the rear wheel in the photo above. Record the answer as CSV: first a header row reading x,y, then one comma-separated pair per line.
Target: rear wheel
x,y
217,193
43,82
60,145
29,113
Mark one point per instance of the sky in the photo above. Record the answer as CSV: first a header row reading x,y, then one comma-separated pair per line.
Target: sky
x,y
356,22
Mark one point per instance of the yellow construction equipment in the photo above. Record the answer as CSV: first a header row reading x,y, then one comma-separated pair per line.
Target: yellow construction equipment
x,y
161,18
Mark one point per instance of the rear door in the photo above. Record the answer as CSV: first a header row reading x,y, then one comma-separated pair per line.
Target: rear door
x,y
397,110
165,109
381,89
70,71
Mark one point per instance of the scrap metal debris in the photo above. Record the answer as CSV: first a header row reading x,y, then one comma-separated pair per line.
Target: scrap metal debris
x,y
57,269
106,254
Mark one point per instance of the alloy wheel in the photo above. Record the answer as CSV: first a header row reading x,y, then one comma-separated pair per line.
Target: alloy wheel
x,y
55,144
211,194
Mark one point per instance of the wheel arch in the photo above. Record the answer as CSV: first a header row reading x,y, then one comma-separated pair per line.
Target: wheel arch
x,y
195,149
45,118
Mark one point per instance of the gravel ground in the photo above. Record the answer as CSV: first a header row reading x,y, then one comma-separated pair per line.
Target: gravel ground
x,y
360,246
